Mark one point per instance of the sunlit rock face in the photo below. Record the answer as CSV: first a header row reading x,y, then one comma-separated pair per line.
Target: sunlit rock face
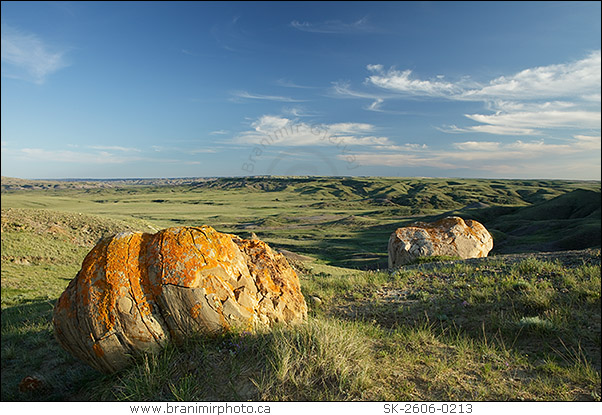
x,y
451,236
136,291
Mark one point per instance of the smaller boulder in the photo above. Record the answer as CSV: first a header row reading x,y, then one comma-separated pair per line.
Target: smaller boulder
x,y
451,236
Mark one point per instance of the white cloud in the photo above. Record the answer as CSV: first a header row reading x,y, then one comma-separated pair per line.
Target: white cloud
x,y
519,158
375,68
349,128
540,119
343,90
478,145
562,80
537,148
290,84
219,132
201,151
25,56
335,26
547,97
84,157
376,105
587,142
399,160
117,148
575,79
282,131
492,150
68,156
247,95
267,124
298,111
401,81
591,97
513,121
510,106
185,150
487,129
373,141
404,147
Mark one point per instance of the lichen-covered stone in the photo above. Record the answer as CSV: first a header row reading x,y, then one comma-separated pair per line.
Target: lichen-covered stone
x,y
136,291
451,236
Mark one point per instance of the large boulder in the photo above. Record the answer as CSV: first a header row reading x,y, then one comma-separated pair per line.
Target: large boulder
x,y
136,291
451,236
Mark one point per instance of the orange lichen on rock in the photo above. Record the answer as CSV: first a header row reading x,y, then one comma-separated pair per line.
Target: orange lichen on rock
x,y
98,350
450,236
135,291
195,311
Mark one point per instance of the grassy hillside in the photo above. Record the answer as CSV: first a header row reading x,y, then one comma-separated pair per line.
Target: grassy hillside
x,y
339,221
503,328
569,221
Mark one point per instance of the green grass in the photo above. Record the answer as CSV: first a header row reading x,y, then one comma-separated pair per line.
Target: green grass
x,y
343,221
502,328
482,333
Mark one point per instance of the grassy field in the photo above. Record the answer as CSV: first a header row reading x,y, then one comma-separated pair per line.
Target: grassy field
x,y
343,222
510,327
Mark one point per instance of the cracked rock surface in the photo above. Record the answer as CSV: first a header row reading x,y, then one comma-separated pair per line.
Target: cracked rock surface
x,y
136,291
450,236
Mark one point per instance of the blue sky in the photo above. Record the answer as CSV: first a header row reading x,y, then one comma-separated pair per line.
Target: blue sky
x,y
435,89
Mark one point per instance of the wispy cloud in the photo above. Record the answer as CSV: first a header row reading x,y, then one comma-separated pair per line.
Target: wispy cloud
x,y
341,89
400,160
287,83
588,142
202,150
335,26
376,105
298,111
487,129
540,119
574,80
219,132
70,156
546,97
527,122
403,82
186,150
27,57
86,157
518,158
247,95
478,145
117,148
285,132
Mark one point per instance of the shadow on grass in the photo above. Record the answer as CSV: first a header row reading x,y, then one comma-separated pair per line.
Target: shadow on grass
x,y
30,349
322,360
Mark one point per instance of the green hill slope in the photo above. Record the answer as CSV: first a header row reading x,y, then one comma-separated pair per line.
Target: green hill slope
x,y
567,222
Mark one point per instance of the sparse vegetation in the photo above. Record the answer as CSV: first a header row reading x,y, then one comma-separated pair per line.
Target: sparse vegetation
x,y
518,327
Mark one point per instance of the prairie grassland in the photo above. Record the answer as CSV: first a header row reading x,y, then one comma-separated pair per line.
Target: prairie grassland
x,y
510,327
